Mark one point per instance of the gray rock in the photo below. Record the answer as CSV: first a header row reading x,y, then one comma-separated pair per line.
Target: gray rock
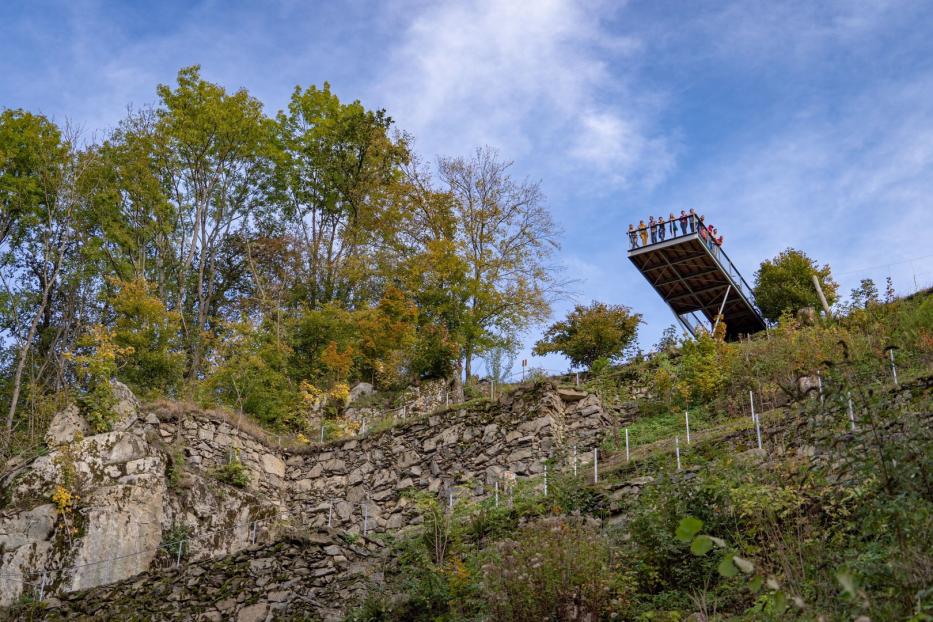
x,y
360,389
65,426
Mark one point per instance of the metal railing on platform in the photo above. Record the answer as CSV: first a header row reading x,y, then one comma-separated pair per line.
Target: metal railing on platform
x,y
685,226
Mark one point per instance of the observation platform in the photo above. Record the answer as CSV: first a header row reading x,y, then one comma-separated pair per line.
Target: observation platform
x,y
697,280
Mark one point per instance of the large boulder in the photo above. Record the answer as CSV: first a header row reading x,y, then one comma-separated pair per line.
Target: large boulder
x,y
126,407
66,426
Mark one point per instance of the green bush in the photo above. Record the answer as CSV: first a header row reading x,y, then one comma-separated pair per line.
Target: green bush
x,y
233,472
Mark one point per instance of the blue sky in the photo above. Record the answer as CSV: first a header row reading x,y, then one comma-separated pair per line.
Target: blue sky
x,y
787,123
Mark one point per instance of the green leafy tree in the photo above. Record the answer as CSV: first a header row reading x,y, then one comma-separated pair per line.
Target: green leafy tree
x,y
785,283
148,333
249,369
40,210
336,167
590,333
213,151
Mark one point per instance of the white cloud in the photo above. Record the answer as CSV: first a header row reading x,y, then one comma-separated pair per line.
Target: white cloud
x,y
544,78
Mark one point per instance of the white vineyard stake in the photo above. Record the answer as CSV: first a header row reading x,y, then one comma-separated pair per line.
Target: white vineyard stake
x,y
627,457
574,460
497,493
893,368
819,382
595,465
677,450
851,413
545,480
758,431
687,418
330,515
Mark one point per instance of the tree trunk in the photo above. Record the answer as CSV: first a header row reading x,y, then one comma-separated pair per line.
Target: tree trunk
x,y
21,358
467,362
457,384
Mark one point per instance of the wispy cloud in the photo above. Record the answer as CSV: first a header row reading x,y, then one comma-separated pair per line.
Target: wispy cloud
x,y
544,79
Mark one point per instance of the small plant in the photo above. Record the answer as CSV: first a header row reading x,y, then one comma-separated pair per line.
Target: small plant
x,y
234,472
176,467
175,541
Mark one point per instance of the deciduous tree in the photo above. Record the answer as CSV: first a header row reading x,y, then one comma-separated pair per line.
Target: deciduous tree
x,y
785,283
589,333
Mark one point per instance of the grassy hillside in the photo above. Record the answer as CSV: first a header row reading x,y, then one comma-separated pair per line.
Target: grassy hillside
x,y
829,520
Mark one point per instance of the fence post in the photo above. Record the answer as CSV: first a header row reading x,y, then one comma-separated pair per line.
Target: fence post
x,y
677,450
851,412
595,465
687,418
627,457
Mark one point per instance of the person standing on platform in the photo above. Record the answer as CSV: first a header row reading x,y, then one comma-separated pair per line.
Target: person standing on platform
x,y
673,225
662,229
643,231
654,230
683,222
632,236
693,220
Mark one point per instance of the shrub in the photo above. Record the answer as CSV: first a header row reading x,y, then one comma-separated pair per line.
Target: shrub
x,y
233,473
555,569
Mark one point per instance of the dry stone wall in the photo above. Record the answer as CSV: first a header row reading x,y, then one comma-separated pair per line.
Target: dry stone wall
x,y
456,454
309,576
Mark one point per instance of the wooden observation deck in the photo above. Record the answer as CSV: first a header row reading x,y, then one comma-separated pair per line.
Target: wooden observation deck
x,y
698,281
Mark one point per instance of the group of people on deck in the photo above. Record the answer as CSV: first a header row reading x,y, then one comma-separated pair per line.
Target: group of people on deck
x,y
657,229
